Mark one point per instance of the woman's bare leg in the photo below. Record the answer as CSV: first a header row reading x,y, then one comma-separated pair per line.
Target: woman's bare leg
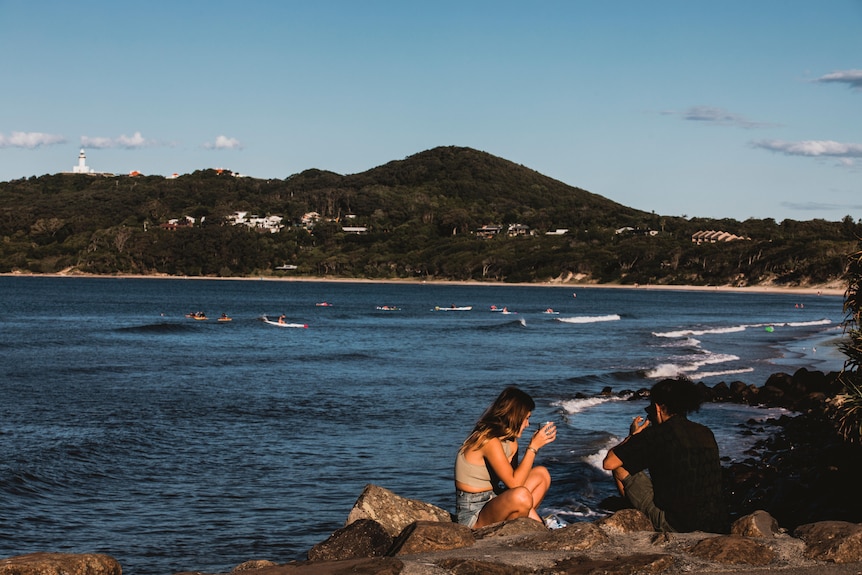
x,y
538,482
510,504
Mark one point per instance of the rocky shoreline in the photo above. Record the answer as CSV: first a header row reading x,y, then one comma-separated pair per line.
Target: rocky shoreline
x,y
791,501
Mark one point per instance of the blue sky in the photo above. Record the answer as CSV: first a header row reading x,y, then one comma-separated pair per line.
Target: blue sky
x,y
732,109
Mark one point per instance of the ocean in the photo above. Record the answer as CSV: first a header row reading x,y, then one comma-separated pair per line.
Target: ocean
x,y
176,444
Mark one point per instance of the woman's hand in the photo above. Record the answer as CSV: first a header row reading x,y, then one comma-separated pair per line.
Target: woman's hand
x,y
546,434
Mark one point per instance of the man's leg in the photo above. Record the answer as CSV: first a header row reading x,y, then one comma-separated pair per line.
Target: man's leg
x,y
638,490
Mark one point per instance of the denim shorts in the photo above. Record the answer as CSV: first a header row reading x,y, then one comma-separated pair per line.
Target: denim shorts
x,y
468,505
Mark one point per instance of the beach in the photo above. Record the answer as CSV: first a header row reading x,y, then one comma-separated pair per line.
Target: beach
x,y
834,288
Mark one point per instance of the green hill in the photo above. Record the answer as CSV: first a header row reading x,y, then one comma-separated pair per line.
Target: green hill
x,y
446,213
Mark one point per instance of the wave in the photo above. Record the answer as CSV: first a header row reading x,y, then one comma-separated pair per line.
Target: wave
x,y
690,367
738,328
506,325
580,404
595,459
589,319
161,327
690,332
687,342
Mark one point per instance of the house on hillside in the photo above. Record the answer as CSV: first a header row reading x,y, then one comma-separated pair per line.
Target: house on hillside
x,y
271,224
309,219
488,231
518,230
354,229
713,236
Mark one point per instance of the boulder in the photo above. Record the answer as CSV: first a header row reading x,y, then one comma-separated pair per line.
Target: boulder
x,y
626,521
392,511
428,536
733,549
757,524
478,567
625,565
60,564
253,565
573,537
362,566
835,541
362,538
520,526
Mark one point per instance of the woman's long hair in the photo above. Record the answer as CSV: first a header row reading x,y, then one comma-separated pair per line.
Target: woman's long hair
x,y
502,419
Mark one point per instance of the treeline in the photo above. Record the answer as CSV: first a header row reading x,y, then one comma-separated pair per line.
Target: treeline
x,y
421,215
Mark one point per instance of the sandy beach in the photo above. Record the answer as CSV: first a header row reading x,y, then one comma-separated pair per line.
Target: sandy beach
x,y
833,289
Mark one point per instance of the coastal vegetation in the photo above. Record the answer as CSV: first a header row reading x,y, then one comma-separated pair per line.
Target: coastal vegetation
x,y
846,408
448,214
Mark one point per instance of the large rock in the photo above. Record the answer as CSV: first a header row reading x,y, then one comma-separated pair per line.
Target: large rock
x,y
428,536
626,521
460,566
519,526
362,538
733,549
392,511
60,564
573,537
835,541
640,564
757,524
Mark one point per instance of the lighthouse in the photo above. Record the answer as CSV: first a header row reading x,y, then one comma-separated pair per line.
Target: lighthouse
x,y
82,168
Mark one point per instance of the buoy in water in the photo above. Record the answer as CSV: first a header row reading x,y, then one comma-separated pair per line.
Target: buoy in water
x,y
770,329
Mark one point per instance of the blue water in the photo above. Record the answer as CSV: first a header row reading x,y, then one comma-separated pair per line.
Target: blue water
x,y
173,444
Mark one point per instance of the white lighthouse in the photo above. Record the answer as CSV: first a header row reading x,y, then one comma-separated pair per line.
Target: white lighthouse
x,y
82,167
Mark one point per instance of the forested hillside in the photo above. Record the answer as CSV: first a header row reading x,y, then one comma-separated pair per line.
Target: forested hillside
x,y
421,217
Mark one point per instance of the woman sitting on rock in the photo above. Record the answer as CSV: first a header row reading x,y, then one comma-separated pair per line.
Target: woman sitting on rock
x,y
491,485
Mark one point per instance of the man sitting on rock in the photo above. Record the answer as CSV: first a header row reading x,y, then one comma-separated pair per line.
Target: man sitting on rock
x,y
683,489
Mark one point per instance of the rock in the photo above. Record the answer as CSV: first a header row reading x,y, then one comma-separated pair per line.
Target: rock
x,y
520,526
626,521
835,541
253,565
733,549
60,564
757,524
392,511
362,538
364,566
460,566
573,537
426,536
625,565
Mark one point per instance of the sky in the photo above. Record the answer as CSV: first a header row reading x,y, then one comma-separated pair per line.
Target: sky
x,y
734,109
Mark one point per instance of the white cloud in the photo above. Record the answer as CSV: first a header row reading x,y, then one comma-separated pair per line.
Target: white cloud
x,y
852,78
812,148
30,140
718,116
224,143
124,141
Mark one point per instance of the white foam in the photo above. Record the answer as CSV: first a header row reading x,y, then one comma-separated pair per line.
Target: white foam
x,y
589,319
690,332
596,459
573,406
689,365
738,328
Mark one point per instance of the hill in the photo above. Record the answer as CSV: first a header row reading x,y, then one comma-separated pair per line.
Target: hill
x,y
446,213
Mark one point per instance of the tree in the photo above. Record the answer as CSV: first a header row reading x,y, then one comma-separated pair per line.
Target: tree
x,y
846,408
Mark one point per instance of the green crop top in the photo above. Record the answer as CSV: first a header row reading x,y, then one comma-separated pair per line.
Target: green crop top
x,y
477,475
